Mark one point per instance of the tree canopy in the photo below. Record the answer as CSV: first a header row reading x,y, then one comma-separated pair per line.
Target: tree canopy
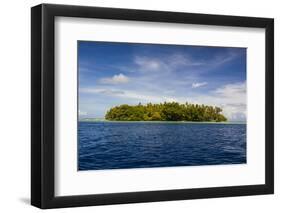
x,y
167,111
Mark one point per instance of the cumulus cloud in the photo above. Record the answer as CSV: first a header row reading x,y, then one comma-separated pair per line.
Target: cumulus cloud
x,y
233,100
156,75
199,84
230,97
116,79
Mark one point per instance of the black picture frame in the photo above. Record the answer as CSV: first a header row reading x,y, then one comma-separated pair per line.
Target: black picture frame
x,y
43,102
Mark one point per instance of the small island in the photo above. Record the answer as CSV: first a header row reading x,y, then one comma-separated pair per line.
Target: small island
x,y
167,111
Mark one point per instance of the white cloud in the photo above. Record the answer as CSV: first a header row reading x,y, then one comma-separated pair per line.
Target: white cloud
x,y
165,63
238,89
148,64
199,84
126,94
178,59
82,113
104,91
116,79
230,97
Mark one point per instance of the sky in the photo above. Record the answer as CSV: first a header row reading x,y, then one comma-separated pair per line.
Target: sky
x,y
112,73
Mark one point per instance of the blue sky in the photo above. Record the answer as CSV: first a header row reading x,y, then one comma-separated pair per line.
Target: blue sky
x,y
112,73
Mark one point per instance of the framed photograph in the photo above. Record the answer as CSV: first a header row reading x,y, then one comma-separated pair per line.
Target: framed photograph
x,y
139,106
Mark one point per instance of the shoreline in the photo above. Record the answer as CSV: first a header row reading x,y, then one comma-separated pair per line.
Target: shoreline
x,y
168,122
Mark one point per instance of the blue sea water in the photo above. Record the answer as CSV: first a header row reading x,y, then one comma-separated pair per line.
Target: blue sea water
x,y
120,145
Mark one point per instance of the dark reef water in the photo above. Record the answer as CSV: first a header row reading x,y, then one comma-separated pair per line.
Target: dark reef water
x,y
120,145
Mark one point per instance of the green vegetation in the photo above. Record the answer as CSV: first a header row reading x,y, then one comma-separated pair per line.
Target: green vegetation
x,y
165,112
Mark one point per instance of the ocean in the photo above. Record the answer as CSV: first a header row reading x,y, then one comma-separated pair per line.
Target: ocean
x,y
124,145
